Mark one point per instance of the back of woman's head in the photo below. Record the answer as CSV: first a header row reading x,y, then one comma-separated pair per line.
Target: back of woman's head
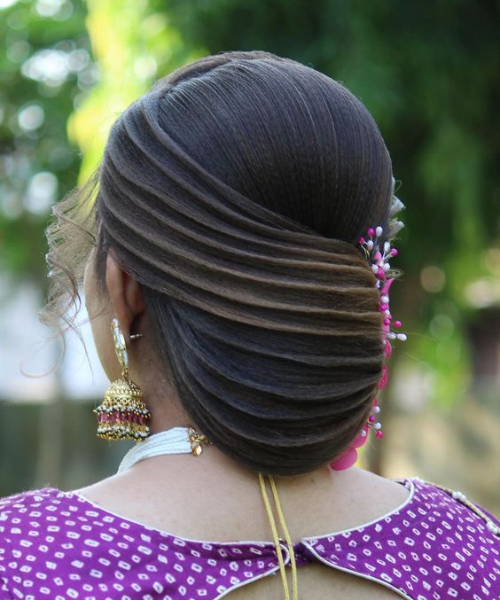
x,y
234,192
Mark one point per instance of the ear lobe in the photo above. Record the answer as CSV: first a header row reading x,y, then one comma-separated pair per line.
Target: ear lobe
x,y
124,292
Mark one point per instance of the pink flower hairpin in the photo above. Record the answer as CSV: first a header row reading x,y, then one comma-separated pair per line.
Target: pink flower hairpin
x,y
379,258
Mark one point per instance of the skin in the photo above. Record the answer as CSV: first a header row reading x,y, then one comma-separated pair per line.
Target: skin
x,y
213,496
124,301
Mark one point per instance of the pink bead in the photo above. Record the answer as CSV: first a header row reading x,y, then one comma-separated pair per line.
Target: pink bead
x,y
384,306
359,441
387,321
379,434
394,252
381,273
371,231
372,418
361,240
397,323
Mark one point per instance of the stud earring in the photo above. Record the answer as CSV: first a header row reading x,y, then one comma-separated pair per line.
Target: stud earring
x,y
122,415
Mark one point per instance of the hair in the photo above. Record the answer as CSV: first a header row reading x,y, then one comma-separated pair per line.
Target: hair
x,y
234,192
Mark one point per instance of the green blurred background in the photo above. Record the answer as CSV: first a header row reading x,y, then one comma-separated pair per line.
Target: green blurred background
x,y
429,72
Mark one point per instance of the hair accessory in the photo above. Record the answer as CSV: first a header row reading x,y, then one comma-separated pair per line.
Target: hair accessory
x,y
379,258
122,415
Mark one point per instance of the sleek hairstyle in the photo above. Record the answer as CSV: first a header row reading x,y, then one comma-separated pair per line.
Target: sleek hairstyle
x,y
234,192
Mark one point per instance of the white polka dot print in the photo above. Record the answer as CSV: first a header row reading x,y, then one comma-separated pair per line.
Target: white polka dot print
x,y
59,546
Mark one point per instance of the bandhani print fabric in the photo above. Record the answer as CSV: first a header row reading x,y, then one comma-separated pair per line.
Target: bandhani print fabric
x,y
57,545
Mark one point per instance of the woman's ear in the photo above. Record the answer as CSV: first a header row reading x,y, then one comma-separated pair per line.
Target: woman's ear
x,y
124,293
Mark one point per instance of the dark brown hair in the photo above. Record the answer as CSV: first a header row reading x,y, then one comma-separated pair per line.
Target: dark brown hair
x,y
234,192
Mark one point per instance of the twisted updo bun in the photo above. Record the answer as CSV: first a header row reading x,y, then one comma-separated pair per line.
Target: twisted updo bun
x,y
234,192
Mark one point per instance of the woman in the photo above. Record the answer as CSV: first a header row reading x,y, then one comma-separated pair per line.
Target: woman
x,y
242,223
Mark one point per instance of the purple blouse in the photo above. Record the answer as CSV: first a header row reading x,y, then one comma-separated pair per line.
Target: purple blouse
x,y
57,545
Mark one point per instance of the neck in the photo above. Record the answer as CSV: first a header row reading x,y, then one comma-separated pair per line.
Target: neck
x,y
167,413
211,463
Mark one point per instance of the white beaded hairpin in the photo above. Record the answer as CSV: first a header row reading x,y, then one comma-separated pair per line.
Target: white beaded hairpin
x,y
381,267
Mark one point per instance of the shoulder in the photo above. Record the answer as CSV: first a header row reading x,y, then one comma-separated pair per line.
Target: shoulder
x,y
45,533
18,507
453,504
14,509
451,514
29,497
435,538
20,512
459,537
20,521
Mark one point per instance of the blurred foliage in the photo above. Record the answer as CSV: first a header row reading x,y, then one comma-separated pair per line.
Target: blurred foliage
x,y
428,72
133,43
45,71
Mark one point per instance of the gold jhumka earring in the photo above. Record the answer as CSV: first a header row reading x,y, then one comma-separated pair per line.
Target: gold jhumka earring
x,y
122,415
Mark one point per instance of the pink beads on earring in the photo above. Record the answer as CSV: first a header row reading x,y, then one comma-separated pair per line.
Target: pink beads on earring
x,y
379,259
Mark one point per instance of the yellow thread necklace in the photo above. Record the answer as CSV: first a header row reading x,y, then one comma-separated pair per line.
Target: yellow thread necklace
x,y
274,529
